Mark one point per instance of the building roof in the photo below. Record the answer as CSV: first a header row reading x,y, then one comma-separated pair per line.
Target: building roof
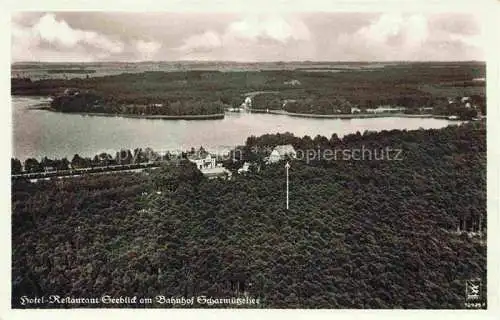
x,y
284,149
275,153
292,82
199,156
216,171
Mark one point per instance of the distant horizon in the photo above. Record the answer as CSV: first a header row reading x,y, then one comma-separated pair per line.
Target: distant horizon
x,y
249,62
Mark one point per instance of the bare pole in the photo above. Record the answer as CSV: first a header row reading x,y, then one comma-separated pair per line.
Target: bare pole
x,y
480,223
287,166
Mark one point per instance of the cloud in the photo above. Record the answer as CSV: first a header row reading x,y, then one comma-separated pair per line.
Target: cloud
x,y
59,32
408,31
417,30
201,42
381,29
241,38
394,36
273,27
477,41
104,36
54,40
48,38
147,49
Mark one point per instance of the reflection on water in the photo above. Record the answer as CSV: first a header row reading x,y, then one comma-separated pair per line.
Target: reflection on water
x,y
38,133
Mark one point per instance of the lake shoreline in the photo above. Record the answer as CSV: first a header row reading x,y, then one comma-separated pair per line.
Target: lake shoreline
x,y
216,116
219,116
350,116
64,135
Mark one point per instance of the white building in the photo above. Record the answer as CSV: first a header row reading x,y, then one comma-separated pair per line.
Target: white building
x,y
293,82
425,109
274,157
217,172
248,102
203,162
206,163
286,149
280,152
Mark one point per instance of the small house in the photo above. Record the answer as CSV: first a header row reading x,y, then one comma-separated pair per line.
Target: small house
x,y
280,152
293,82
274,157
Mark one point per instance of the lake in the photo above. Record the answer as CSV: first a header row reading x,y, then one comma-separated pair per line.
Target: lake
x,y
39,133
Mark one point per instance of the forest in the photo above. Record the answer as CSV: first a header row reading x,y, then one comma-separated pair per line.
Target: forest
x,y
93,103
358,234
410,85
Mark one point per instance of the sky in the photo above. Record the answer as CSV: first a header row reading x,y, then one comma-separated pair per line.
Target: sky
x,y
253,37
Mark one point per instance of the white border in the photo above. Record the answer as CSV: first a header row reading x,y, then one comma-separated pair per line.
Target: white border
x,y
489,10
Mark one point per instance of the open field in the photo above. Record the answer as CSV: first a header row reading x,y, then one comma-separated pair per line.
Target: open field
x,y
42,70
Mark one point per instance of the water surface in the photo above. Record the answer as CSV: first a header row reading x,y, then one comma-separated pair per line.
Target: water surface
x,y
38,133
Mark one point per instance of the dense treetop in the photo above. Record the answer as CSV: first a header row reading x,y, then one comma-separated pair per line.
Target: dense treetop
x,y
359,234
325,91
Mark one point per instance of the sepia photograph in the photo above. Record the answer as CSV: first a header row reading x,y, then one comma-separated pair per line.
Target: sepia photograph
x,y
248,160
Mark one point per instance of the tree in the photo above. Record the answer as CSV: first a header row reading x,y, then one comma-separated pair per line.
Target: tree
x,y
170,175
15,166
139,156
79,162
62,164
46,163
124,157
32,165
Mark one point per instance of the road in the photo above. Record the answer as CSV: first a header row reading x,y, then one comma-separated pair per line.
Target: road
x,y
35,176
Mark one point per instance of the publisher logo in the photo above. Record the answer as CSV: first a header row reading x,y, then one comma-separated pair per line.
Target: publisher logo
x,y
474,294
473,290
